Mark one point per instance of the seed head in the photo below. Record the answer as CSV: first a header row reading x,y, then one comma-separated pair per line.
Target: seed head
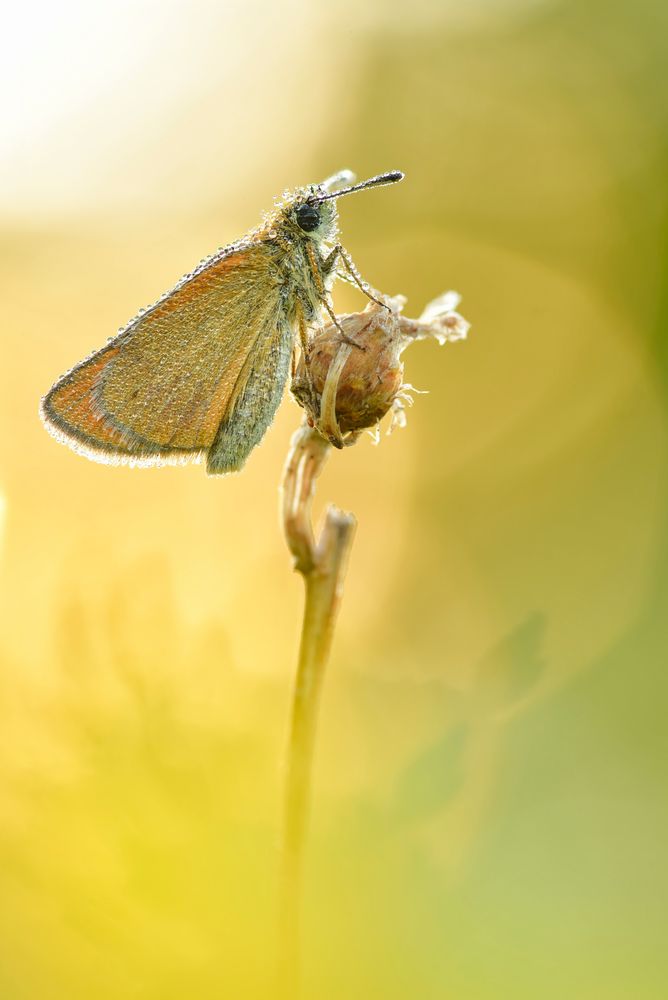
x,y
355,367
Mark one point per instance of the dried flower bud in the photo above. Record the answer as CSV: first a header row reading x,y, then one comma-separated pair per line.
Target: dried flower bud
x,y
355,368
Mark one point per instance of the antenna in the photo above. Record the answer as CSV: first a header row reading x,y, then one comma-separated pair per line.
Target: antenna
x,y
391,177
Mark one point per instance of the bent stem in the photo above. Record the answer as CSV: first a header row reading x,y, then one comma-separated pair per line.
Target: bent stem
x,y
322,564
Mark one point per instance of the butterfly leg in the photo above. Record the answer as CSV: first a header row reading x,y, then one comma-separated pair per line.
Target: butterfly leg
x,y
303,338
317,273
306,351
327,268
330,263
343,335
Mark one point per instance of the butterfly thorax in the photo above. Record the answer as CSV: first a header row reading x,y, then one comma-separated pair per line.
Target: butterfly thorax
x,y
298,255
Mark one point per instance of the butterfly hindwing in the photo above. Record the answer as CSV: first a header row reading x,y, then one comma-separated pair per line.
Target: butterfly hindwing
x,y
254,407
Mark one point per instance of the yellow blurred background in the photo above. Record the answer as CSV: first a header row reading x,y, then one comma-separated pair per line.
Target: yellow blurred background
x,y
490,818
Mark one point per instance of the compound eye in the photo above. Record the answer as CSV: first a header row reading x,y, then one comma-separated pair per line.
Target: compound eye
x,y
308,217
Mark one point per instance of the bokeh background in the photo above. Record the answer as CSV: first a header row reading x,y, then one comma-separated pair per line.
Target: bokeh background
x,y
490,818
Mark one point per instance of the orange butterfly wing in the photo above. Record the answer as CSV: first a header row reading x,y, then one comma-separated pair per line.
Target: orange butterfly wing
x,y
161,389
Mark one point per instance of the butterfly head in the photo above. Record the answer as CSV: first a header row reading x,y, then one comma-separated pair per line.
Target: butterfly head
x,y
305,216
311,212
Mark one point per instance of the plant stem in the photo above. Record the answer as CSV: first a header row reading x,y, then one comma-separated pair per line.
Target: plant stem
x,y
322,565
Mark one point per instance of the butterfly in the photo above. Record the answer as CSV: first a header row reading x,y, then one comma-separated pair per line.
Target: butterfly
x,y
201,372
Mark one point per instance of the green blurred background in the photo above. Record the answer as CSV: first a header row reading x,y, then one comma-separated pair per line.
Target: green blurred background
x,y
490,817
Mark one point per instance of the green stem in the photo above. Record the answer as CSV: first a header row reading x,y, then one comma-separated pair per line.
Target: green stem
x,y
323,567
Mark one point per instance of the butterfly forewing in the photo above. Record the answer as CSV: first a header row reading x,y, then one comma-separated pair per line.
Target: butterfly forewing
x,y
163,387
